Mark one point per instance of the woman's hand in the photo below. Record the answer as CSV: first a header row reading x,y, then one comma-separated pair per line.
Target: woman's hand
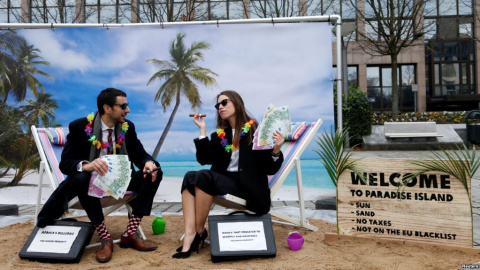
x,y
198,120
279,140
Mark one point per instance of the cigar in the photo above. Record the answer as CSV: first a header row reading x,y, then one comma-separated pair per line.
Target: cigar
x,y
201,115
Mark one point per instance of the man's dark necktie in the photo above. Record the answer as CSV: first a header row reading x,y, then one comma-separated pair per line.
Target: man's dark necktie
x,y
110,142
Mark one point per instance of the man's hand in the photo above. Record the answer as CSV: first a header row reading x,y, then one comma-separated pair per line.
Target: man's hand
x,y
150,168
99,165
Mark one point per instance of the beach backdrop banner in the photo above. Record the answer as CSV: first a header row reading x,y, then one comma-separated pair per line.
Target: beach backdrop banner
x,y
284,64
433,208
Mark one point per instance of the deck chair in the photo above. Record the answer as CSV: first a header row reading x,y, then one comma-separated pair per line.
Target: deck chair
x,y
50,143
292,150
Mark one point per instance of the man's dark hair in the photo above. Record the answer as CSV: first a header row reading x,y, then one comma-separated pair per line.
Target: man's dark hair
x,y
109,97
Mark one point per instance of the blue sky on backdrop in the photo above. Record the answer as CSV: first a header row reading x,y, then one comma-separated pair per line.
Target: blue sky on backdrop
x,y
282,64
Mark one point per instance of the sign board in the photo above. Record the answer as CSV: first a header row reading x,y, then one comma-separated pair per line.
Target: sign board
x,y
239,236
62,242
54,239
434,208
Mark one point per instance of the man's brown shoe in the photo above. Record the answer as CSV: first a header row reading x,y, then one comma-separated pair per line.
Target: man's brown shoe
x,y
136,242
105,252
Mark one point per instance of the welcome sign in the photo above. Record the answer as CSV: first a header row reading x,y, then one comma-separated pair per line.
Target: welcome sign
x,y
432,208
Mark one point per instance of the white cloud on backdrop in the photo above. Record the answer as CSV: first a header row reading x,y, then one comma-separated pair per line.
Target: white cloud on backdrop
x,y
61,52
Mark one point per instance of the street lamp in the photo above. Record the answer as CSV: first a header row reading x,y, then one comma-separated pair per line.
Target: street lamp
x,y
346,29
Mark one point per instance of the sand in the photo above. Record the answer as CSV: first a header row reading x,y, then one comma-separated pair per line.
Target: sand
x,y
351,253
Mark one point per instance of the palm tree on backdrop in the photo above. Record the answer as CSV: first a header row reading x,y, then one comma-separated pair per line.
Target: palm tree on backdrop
x,y
10,43
42,109
22,74
179,76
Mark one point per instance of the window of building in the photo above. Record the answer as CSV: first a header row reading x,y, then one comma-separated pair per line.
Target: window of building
x,y
465,30
218,10
10,11
156,11
453,68
275,8
108,11
370,30
430,28
452,19
235,10
225,9
4,15
345,8
465,7
163,11
379,87
352,75
53,11
447,7
430,8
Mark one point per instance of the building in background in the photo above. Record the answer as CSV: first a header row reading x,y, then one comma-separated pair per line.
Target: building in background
x,y
443,66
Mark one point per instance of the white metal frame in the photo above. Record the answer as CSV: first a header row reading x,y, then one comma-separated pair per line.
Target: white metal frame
x,y
333,19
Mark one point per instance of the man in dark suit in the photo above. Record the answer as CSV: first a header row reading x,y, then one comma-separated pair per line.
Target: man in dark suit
x,y
89,138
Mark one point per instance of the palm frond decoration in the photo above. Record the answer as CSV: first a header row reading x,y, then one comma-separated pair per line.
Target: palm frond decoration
x,y
461,164
335,157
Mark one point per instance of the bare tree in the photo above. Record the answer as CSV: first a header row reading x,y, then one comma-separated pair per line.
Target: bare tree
x,y
51,11
172,10
288,8
390,27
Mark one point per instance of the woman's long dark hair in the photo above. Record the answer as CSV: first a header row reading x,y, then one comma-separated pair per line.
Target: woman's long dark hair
x,y
241,117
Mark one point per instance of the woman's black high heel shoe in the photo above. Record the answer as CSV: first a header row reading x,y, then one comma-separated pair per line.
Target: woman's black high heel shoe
x,y
202,239
185,254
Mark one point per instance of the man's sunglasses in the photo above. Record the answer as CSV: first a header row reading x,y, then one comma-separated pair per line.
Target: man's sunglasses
x,y
223,103
123,106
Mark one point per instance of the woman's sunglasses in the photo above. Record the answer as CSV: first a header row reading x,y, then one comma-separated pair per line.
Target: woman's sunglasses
x,y
223,103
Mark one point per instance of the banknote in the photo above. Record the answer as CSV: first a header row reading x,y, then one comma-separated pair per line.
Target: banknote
x,y
115,182
275,118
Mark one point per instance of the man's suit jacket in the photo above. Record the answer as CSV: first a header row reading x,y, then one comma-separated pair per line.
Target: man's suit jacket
x,y
253,168
77,147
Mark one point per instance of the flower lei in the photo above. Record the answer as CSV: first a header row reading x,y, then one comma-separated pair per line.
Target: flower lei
x,y
93,139
224,142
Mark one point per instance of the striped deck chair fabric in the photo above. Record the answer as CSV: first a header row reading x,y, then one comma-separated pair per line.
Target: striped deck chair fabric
x,y
292,150
50,143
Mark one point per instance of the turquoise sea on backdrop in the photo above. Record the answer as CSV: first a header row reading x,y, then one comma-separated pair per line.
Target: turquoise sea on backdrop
x,y
314,174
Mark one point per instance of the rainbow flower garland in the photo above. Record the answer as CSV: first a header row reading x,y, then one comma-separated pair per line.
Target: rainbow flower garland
x,y
224,142
91,138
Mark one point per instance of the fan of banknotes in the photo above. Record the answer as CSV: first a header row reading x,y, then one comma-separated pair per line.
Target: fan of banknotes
x,y
275,118
115,182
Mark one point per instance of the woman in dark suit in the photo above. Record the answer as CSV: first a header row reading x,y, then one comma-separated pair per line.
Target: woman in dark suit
x,y
236,168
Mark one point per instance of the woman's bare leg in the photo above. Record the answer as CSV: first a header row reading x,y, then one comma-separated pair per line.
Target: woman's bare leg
x,y
189,220
203,203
